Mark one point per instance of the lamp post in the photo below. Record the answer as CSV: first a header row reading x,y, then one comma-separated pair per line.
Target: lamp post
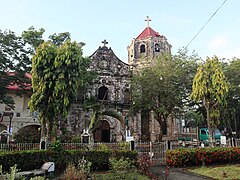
x,y
10,115
10,123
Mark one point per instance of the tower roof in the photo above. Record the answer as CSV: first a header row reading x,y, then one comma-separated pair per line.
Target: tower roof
x,y
148,32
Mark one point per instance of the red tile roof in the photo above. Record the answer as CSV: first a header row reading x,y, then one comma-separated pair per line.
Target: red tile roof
x,y
15,86
148,32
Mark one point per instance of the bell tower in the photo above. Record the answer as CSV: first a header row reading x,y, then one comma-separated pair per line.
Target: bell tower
x,y
147,46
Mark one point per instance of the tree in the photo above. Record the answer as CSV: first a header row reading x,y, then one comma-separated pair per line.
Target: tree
x,y
28,134
14,64
60,38
231,114
33,38
162,87
187,68
210,87
57,73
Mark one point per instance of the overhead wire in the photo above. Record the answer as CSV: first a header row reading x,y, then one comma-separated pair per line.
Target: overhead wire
x,y
205,24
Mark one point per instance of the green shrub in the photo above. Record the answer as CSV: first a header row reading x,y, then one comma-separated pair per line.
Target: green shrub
x,y
76,139
144,163
12,175
56,146
121,169
34,159
121,165
124,146
128,176
82,171
198,156
9,176
28,134
38,178
25,160
102,146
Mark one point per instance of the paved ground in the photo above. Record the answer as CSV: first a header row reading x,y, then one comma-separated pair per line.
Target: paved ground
x,y
175,173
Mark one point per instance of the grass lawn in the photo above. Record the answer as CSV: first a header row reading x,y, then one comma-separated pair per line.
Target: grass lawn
x,y
219,172
120,176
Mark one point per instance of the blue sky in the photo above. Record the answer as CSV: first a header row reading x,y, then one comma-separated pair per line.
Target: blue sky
x,y
92,21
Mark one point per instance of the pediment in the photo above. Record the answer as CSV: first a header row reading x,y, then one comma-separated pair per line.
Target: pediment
x,y
105,61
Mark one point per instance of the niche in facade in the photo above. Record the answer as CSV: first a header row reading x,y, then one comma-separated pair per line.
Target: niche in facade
x,y
157,48
126,96
103,93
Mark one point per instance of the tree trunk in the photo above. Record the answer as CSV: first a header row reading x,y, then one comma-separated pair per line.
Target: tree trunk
x,y
161,123
207,106
51,133
209,126
43,134
43,130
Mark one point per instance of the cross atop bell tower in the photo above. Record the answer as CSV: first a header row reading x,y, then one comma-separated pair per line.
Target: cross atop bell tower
x,y
148,20
104,42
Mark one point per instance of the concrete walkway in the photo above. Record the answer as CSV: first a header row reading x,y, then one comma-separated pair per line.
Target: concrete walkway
x,y
175,173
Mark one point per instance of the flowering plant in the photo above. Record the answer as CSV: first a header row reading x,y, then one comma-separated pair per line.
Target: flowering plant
x,y
195,156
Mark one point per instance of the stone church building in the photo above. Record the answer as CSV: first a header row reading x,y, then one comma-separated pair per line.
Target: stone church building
x,y
112,89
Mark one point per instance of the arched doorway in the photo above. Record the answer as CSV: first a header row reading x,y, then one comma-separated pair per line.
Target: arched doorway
x,y
102,133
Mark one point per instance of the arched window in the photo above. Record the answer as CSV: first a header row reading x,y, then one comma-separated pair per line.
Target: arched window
x,y
142,48
103,93
126,94
157,48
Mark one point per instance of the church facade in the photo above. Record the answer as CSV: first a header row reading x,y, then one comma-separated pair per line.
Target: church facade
x,y
112,90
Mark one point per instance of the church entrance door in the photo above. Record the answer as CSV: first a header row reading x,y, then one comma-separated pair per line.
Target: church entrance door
x,y
105,131
102,134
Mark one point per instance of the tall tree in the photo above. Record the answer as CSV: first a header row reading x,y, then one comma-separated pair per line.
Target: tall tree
x,y
187,68
15,58
210,87
231,114
14,63
57,72
160,88
60,38
33,37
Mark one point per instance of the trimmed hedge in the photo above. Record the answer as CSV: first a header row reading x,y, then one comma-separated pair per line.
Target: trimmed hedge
x,y
197,156
25,160
28,160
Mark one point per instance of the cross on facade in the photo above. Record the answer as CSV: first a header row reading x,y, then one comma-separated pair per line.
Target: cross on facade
x,y
148,20
104,42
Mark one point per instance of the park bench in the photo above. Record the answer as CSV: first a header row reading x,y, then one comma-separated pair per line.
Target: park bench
x,y
47,168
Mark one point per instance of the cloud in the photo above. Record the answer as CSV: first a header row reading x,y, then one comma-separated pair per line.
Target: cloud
x,y
218,43
231,53
224,46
